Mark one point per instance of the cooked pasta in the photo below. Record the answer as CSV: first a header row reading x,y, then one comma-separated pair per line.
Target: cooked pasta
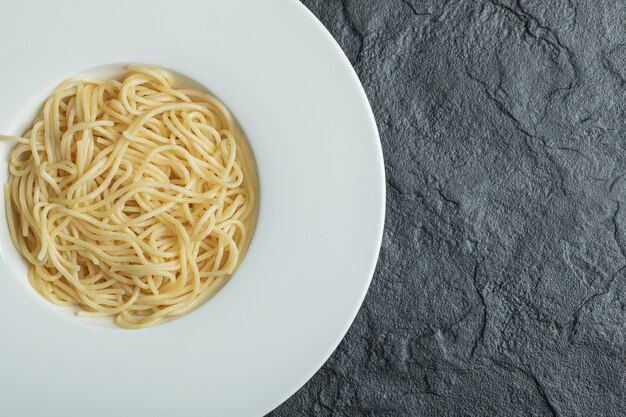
x,y
130,198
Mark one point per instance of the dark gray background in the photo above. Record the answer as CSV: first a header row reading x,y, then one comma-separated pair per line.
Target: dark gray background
x,y
501,284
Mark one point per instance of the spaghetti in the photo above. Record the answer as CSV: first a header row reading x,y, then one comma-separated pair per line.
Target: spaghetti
x,y
130,198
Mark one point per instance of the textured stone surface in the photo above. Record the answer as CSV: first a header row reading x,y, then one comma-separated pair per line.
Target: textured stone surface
x,y
501,284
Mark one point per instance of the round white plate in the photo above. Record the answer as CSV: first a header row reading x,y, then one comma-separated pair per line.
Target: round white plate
x,y
319,228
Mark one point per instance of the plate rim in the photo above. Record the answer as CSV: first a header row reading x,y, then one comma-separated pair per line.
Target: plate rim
x,y
381,223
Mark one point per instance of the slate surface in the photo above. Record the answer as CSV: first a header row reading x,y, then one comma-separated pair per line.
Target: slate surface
x,y
501,284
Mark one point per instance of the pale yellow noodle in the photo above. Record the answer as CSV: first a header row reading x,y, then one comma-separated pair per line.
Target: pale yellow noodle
x,y
130,199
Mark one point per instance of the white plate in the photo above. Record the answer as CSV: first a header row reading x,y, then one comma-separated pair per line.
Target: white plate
x,y
319,229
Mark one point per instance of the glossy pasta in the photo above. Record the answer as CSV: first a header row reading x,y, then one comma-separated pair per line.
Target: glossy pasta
x,y
129,198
